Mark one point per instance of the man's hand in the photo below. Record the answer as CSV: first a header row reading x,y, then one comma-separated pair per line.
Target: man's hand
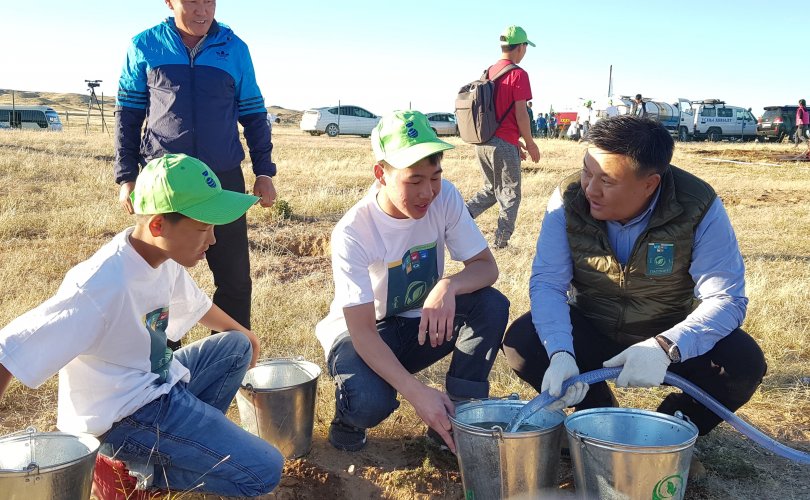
x,y
123,196
645,364
264,189
438,314
562,367
533,150
435,409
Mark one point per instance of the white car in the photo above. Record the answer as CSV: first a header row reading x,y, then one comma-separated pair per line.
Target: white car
x,y
339,120
443,123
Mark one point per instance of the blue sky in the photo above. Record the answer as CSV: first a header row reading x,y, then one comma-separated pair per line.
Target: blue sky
x,y
389,55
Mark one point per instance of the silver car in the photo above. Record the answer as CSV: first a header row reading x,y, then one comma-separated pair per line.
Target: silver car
x,y
443,123
336,120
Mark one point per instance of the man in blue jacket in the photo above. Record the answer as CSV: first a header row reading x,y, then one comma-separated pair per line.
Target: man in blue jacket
x,y
191,79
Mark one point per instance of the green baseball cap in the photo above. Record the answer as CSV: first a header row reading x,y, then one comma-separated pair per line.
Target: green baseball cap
x,y
514,35
183,184
405,137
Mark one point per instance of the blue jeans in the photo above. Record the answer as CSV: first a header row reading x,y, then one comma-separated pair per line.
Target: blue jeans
x,y
186,435
363,399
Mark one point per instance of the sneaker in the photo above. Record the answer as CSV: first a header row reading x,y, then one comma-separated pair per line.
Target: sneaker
x,y
346,437
112,480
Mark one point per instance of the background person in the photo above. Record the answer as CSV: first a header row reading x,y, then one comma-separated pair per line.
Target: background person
x,y
395,311
105,332
656,275
802,122
176,75
532,124
638,108
542,124
499,158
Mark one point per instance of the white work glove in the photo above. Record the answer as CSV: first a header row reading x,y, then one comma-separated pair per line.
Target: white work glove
x,y
562,367
645,364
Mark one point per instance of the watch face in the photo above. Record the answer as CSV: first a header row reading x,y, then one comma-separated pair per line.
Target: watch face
x,y
674,354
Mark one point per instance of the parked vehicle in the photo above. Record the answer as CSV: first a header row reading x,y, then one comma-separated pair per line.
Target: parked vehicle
x,y
443,123
777,123
30,117
677,117
715,120
336,120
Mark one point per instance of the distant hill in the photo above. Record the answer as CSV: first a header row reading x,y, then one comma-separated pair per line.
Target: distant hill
x,y
78,103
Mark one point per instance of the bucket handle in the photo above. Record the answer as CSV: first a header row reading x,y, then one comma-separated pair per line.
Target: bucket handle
x,y
33,466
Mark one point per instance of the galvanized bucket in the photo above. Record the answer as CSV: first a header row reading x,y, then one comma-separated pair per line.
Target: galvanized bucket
x,y
46,465
277,403
629,453
497,464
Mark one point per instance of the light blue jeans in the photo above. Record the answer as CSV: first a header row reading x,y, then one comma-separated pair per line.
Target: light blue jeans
x,y
186,435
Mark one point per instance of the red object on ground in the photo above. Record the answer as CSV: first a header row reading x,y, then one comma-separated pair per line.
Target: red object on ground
x,y
111,481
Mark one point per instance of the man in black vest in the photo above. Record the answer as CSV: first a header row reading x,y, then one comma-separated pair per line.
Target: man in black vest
x,y
637,265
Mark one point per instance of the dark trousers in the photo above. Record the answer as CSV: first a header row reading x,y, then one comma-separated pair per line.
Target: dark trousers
x,y
730,372
229,258
229,261
363,399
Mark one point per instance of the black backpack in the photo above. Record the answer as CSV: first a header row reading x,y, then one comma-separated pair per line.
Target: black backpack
x,y
475,108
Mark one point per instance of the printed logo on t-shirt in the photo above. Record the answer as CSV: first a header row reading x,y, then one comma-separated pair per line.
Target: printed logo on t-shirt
x,y
160,355
411,279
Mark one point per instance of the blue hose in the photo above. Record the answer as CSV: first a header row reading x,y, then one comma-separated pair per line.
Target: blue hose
x,y
748,430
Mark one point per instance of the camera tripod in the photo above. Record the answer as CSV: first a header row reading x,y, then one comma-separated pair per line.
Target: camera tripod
x,y
91,85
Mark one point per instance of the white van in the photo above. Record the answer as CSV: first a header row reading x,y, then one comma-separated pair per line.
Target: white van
x,y
715,120
30,117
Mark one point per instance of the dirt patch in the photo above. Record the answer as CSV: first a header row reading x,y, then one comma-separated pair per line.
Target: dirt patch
x,y
304,244
766,197
290,268
303,479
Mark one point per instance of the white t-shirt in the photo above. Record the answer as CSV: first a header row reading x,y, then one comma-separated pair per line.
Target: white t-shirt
x,y
105,332
395,262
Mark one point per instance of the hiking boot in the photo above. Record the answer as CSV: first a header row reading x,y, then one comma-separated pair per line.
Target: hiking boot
x,y
697,471
346,437
500,244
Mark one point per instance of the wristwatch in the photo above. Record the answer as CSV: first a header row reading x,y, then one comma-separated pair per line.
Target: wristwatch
x,y
670,348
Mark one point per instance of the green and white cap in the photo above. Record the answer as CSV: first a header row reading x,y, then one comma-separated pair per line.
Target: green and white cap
x,y
183,184
514,35
403,138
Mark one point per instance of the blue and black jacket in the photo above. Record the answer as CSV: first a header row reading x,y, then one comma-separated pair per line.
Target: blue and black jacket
x,y
191,104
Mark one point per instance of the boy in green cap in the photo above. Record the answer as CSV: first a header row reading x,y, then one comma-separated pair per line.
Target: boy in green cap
x,y
395,312
105,332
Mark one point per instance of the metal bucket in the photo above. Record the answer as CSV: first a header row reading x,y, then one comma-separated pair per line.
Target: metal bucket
x,y
497,464
46,465
277,403
624,453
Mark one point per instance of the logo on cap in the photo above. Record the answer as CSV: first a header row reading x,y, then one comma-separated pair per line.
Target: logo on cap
x,y
412,132
208,180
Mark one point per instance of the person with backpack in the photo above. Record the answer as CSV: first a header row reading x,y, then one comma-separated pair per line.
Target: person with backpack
x,y
499,156
802,122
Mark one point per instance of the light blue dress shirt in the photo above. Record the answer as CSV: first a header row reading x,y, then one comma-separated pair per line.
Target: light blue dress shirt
x,y
717,269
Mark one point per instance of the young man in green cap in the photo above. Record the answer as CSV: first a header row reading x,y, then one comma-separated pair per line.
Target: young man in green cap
x,y
395,312
500,157
105,332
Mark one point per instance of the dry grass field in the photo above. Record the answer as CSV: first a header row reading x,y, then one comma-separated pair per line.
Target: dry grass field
x,y
58,205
